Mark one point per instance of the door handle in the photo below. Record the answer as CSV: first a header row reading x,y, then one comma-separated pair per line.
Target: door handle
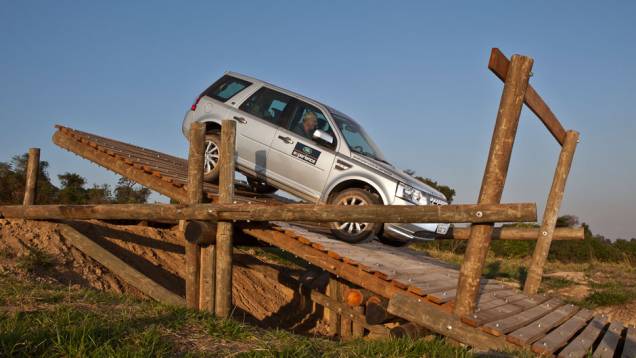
x,y
287,140
240,119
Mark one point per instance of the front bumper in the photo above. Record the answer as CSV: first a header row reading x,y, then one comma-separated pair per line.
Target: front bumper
x,y
406,232
419,231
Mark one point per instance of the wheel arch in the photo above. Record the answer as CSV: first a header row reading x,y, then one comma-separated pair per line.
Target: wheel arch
x,y
356,182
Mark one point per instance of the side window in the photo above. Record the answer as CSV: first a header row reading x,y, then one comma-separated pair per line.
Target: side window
x,y
267,104
306,119
225,88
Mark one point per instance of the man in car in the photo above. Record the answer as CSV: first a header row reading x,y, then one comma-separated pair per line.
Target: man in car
x,y
308,125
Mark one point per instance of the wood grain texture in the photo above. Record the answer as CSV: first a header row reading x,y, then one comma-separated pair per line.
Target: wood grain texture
x,y
561,335
32,172
582,344
120,268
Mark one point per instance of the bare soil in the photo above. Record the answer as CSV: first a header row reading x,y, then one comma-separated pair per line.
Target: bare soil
x,y
35,250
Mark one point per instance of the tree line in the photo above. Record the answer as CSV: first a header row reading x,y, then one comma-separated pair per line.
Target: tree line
x,y
72,190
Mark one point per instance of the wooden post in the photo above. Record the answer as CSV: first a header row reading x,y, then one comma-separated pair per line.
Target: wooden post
x,y
32,169
224,229
195,195
345,319
546,233
357,327
493,181
333,317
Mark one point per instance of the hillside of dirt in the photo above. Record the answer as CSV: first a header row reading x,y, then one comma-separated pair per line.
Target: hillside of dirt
x,y
36,250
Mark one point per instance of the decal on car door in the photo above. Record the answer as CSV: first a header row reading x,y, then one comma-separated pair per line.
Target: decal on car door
x,y
306,153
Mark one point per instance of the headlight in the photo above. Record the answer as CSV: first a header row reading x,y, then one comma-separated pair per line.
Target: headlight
x,y
410,194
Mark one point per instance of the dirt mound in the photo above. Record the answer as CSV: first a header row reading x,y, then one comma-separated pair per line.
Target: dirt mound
x,y
37,250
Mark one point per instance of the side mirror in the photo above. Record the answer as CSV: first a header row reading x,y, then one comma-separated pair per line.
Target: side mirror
x,y
323,136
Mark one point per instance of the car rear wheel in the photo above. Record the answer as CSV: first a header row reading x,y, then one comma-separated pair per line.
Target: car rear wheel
x,y
353,232
211,157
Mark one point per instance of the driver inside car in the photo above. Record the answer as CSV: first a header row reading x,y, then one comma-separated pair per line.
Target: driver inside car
x,y
307,126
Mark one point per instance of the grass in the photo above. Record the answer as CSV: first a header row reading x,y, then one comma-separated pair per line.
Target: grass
x,y
35,260
51,320
608,294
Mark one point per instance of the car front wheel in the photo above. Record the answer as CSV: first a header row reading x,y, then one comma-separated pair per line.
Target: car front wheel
x,y
354,232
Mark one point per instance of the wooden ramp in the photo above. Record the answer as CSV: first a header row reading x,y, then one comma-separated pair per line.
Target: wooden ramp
x,y
419,289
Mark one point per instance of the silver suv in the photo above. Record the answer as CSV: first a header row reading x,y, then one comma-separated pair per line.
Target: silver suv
x,y
290,142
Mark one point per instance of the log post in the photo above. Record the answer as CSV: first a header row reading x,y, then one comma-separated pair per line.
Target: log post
x,y
345,320
333,317
546,233
194,196
493,181
32,170
224,229
357,327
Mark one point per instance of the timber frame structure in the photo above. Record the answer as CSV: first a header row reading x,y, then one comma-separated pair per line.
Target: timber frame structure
x,y
369,283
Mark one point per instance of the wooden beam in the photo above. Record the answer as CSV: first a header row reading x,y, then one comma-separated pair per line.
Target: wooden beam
x,y
516,233
550,214
493,181
224,243
499,65
32,170
198,294
114,264
200,232
465,213
127,170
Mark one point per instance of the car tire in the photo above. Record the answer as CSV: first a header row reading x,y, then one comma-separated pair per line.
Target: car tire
x,y
211,156
259,186
354,232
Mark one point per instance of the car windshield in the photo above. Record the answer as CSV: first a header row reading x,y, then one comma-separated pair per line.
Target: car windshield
x,y
355,136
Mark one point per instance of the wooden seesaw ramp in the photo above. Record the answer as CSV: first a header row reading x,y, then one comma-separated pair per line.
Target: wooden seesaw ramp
x,y
420,289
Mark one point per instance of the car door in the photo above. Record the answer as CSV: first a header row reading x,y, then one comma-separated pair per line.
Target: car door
x,y
296,159
258,118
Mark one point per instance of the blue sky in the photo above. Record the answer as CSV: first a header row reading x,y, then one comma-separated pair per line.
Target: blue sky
x,y
414,74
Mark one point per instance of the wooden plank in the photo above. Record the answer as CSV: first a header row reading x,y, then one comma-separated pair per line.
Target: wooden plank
x,y
582,344
559,337
119,167
449,295
499,64
483,316
120,268
416,310
537,329
608,344
629,348
509,324
333,318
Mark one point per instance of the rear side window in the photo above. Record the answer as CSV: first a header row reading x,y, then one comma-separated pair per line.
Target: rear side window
x,y
225,88
267,104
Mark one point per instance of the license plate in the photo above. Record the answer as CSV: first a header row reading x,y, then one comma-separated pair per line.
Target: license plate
x,y
442,229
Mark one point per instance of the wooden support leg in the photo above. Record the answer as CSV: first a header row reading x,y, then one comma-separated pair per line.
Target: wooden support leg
x,y
493,181
33,167
194,196
357,327
208,276
345,320
227,164
333,316
540,255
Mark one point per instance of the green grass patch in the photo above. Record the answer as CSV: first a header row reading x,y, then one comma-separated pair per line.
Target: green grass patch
x,y
557,282
609,294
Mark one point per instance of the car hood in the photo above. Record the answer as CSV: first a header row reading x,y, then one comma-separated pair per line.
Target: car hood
x,y
398,175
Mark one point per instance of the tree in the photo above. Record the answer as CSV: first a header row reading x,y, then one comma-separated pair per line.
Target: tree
x,y
99,194
128,192
72,189
12,182
448,192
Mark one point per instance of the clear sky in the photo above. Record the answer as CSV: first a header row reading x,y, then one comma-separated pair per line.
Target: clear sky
x,y
414,74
